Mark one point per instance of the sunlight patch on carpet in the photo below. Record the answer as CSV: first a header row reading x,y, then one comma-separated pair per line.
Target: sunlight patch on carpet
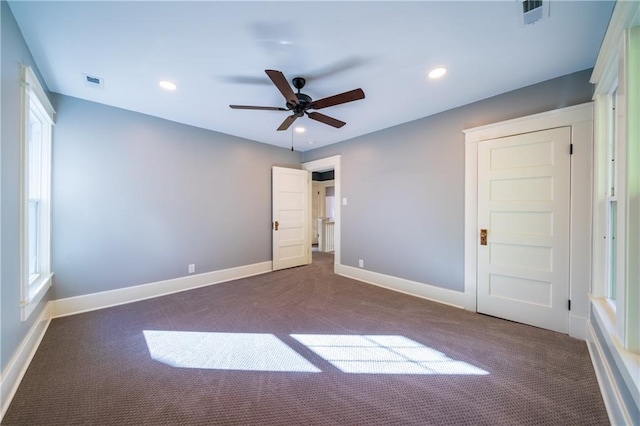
x,y
354,354
225,351
362,354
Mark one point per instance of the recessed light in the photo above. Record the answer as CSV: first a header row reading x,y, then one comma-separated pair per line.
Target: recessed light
x,y
167,85
300,130
311,142
437,72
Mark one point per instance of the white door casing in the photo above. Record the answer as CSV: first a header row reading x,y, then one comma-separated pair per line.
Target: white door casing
x,y
524,184
291,231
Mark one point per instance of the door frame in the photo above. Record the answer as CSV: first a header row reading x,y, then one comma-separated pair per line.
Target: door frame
x,y
321,165
580,119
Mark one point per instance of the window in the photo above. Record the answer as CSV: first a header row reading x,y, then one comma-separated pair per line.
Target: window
x,y
612,202
617,208
37,120
615,299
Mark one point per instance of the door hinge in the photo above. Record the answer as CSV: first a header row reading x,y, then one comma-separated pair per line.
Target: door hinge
x,y
570,149
569,304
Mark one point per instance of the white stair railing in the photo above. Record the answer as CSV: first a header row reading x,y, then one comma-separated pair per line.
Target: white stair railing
x,y
326,242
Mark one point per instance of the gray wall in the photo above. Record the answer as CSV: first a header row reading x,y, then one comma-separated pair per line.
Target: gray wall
x,y
405,184
14,52
137,198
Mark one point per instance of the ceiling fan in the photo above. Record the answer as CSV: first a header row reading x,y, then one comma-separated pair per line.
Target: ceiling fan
x,y
299,103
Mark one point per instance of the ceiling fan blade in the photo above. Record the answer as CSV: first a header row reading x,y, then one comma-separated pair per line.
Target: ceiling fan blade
x,y
326,119
258,107
283,86
337,67
245,79
287,122
342,98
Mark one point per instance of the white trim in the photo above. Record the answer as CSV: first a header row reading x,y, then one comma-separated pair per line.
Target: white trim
x,y
35,296
17,367
471,227
34,98
580,118
581,226
412,288
105,299
579,327
325,164
531,123
629,362
610,395
626,14
626,363
618,66
32,84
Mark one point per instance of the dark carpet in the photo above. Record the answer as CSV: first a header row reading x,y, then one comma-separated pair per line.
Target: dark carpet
x,y
303,347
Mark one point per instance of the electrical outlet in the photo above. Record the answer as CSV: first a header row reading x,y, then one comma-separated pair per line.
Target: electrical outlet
x,y
192,268
361,263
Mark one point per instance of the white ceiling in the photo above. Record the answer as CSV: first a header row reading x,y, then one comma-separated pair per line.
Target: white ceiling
x,y
216,52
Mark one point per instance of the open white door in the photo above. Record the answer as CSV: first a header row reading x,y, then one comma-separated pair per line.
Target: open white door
x,y
291,189
524,207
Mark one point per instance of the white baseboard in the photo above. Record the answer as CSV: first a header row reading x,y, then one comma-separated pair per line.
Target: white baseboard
x,y
13,373
613,401
579,328
413,288
105,299
470,302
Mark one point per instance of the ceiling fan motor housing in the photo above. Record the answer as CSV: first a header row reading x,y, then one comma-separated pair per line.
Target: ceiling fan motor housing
x,y
303,102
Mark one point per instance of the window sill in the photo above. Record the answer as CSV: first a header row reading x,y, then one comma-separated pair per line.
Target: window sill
x,y
607,312
37,289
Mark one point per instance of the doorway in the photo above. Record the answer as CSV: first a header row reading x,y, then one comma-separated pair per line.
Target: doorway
x,y
322,211
325,165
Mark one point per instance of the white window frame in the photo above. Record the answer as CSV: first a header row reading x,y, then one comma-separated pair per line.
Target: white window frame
x,y
618,75
33,287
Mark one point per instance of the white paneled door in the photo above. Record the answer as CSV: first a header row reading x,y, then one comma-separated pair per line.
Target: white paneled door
x,y
524,213
291,217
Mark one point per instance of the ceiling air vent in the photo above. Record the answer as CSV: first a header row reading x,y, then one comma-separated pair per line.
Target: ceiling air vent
x,y
93,81
532,10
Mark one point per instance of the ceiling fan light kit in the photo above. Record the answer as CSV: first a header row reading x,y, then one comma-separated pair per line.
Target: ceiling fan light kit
x,y
299,103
